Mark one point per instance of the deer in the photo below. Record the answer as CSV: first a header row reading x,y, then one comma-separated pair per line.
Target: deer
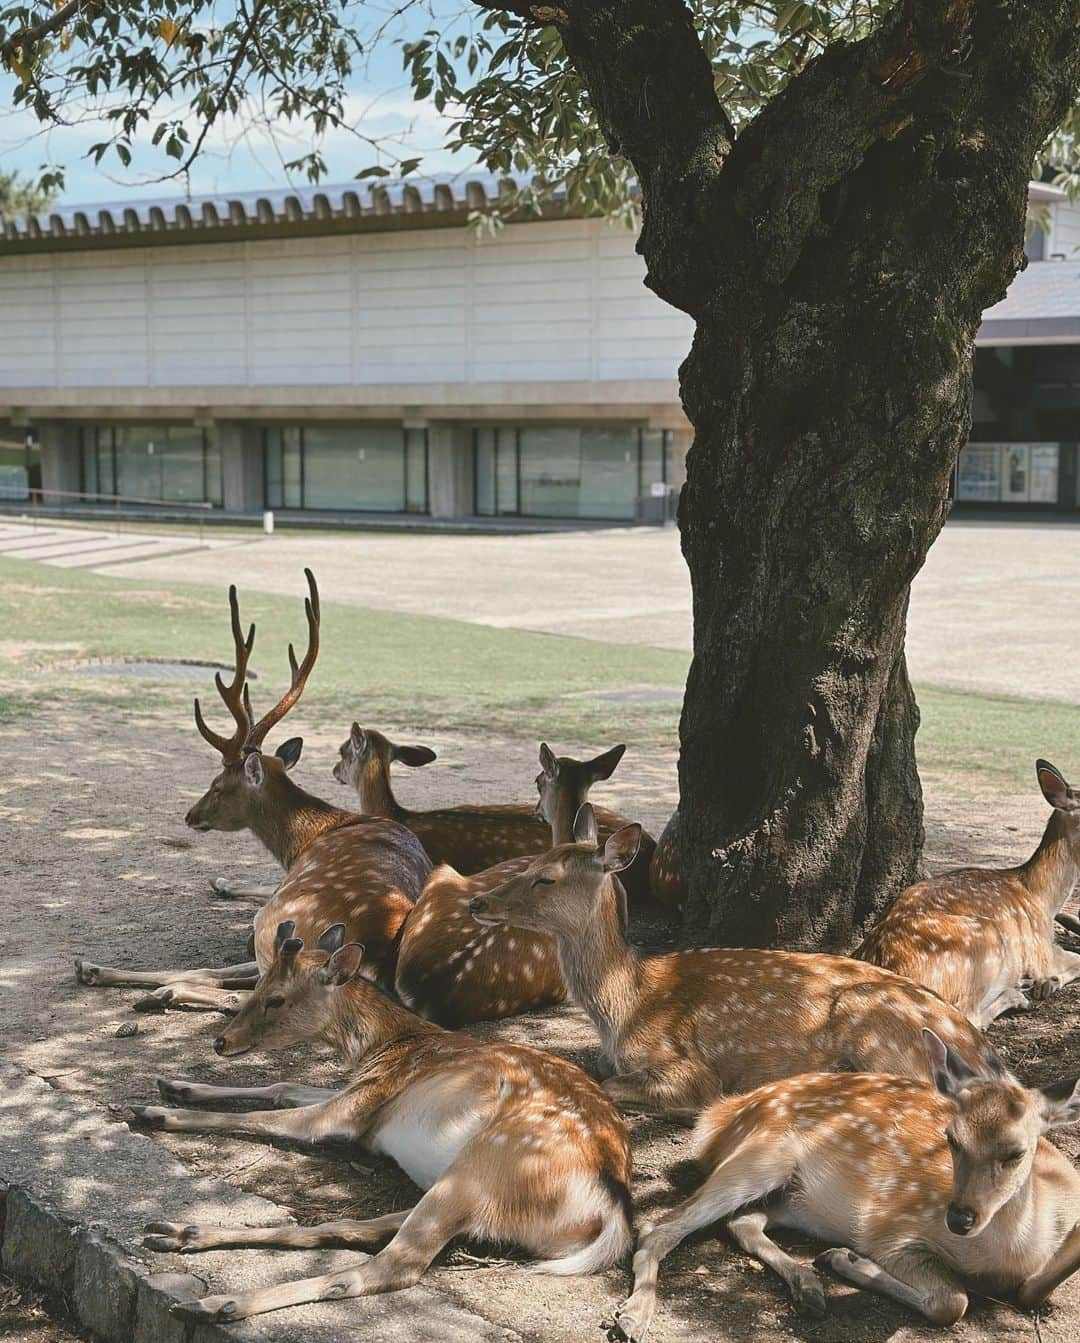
x,y
666,880
983,938
363,871
925,1192
509,1143
474,837
676,1030
454,972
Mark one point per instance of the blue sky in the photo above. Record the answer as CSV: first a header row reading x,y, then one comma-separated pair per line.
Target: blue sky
x,y
236,158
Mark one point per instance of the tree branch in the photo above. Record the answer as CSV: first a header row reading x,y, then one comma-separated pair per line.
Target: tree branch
x,y
50,24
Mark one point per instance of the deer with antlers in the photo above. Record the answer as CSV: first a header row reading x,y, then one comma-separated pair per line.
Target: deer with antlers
x,y
474,837
925,1194
362,871
679,1029
983,938
511,1144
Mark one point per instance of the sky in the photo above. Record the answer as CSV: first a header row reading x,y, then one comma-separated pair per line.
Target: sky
x,y
236,157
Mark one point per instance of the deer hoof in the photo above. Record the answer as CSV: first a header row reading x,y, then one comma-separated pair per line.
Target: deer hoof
x,y
170,1237
173,1091
808,1294
86,972
147,1116
221,887
209,1308
157,1001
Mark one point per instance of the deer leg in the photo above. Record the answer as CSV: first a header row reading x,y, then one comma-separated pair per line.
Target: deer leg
x,y
1006,1000
1069,922
747,1230
226,890
280,1095
1063,1264
178,1238
677,1091
435,1220
915,1280
187,993
336,1117
243,975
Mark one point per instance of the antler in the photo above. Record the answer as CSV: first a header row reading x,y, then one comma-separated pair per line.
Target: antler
x,y
234,694
300,674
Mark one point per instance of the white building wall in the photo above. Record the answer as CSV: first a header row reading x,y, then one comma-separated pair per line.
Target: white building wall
x,y
1065,230
558,301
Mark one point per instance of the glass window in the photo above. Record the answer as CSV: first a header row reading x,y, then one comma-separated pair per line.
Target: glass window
x,y
351,467
583,473
15,480
166,462
416,471
97,460
1011,473
506,471
484,466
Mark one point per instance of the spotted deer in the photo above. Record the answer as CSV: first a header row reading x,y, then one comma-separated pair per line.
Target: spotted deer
x,y
339,867
666,880
925,1194
474,837
511,1144
983,938
677,1030
455,972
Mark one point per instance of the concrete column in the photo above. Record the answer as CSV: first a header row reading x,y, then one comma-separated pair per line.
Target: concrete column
x,y
60,465
450,470
681,440
241,467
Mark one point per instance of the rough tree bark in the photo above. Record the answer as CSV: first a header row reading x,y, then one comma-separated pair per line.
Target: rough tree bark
x,y
836,257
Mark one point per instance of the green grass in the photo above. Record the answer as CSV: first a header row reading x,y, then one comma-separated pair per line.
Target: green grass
x,y
382,667
373,665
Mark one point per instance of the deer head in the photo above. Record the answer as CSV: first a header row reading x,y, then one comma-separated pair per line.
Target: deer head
x,y
1064,800
563,784
243,788
293,1000
560,891
364,763
994,1135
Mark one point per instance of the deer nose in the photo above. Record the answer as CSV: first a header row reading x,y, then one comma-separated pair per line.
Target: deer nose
x,y
959,1220
219,1045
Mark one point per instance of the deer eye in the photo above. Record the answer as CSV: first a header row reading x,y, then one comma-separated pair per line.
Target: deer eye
x,y
544,881
954,1146
1011,1158
277,1001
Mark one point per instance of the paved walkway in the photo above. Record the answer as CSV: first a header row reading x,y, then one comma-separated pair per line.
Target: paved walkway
x,y
994,608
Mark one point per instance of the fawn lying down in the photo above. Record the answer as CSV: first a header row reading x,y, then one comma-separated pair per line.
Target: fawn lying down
x,y
924,1194
511,1144
677,1030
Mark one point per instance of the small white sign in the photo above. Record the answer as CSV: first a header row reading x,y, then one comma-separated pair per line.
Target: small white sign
x,y
658,489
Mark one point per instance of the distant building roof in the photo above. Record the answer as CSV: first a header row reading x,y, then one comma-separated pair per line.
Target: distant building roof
x,y
1042,307
353,207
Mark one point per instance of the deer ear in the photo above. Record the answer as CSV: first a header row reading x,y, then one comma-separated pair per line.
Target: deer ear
x,y
358,737
1054,788
290,949
254,772
585,825
332,938
548,762
413,756
603,766
343,965
1061,1103
948,1069
289,751
621,848
284,930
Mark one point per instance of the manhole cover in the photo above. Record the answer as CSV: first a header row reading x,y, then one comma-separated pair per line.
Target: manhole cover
x,y
154,669
642,695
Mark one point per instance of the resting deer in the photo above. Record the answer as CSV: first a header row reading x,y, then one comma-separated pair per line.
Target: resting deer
x,y
474,837
925,1195
665,870
980,937
455,972
676,1030
511,1144
339,867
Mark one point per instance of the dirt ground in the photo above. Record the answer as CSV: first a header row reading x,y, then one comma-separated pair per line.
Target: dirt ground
x,y
97,861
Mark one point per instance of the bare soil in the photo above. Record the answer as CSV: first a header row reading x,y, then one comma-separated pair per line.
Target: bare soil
x,y
96,861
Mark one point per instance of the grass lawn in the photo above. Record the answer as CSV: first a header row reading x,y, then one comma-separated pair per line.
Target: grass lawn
x,y
425,672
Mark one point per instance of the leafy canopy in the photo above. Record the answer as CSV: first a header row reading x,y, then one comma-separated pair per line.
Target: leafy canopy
x,y
168,71
21,198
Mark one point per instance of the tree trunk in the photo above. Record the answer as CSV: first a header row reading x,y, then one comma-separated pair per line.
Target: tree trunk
x,y
836,256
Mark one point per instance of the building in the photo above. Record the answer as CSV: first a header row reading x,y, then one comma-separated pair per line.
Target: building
x,y
335,351
338,351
